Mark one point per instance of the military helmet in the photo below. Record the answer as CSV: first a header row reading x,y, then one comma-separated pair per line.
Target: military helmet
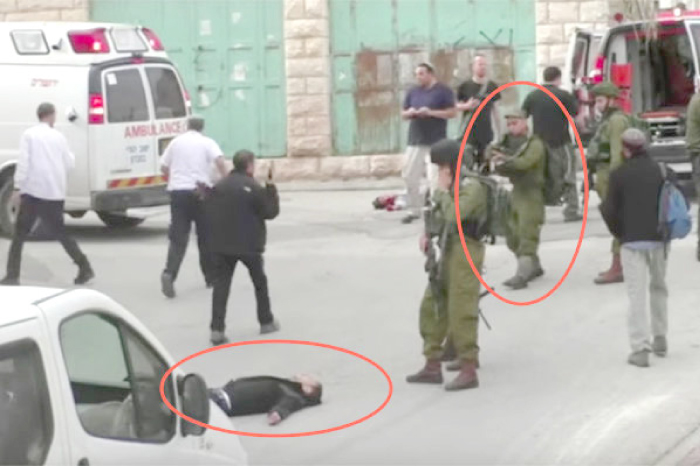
x,y
606,89
446,152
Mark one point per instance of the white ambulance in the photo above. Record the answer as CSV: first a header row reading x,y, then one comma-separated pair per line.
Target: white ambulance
x,y
119,101
79,385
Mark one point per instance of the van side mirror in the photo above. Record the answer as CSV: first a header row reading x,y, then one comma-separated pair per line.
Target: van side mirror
x,y
195,404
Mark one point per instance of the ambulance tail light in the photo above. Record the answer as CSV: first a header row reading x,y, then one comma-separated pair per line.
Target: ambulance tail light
x,y
597,73
91,41
153,39
188,101
96,112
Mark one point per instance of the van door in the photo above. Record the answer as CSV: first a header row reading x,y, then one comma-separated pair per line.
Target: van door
x,y
693,27
580,65
124,143
168,100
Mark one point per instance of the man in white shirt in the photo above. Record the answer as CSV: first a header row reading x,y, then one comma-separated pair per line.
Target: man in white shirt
x,y
187,162
40,192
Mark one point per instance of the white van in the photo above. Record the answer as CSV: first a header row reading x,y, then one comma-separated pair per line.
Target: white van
x,y
656,63
119,101
79,385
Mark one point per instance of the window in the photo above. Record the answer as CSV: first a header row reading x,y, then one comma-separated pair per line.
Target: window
x,y
115,377
30,42
26,423
167,94
126,97
128,40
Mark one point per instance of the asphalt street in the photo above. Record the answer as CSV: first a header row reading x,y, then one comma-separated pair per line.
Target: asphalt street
x,y
555,386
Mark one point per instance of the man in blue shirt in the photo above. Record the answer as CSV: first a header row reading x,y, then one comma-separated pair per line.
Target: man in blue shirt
x,y
428,106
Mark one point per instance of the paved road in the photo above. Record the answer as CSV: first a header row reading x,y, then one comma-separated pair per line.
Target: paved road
x,y
555,388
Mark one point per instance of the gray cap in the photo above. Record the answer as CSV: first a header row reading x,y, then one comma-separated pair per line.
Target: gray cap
x,y
634,138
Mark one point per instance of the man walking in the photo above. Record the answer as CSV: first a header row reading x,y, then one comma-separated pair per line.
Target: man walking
x,y
187,162
552,127
454,309
238,208
521,158
605,154
692,137
40,191
631,211
428,106
470,94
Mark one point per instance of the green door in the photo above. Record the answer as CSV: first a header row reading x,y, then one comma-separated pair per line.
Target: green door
x,y
231,57
376,45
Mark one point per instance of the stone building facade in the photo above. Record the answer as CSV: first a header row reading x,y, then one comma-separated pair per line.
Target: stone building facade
x,y
44,10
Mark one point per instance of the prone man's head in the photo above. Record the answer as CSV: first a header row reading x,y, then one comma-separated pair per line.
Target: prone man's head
x,y
244,162
517,123
310,386
46,112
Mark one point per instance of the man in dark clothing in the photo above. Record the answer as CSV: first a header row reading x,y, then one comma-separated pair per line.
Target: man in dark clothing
x,y
552,127
238,208
470,94
428,106
277,397
631,211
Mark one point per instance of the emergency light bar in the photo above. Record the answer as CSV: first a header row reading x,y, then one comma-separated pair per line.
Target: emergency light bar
x,y
90,41
153,39
30,42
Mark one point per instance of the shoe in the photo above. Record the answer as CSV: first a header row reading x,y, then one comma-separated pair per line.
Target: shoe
x,y
430,374
660,346
613,275
573,218
538,270
410,218
222,400
85,274
218,338
466,378
454,366
7,281
167,285
272,327
639,358
526,271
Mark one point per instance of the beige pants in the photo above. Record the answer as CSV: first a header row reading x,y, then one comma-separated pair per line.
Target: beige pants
x,y
637,263
416,168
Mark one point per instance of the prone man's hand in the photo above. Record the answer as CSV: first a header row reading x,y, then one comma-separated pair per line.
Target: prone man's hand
x,y
274,418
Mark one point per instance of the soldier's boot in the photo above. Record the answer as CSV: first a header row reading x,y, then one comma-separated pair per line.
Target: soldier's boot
x,y
538,271
466,378
431,373
614,275
526,270
454,366
514,278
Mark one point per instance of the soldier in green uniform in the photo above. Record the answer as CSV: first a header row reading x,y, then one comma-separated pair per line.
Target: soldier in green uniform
x,y
605,154
521,158
692,138
456,305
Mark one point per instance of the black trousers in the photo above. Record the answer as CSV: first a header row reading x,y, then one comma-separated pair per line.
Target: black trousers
x,y
225,265
51,215
185,208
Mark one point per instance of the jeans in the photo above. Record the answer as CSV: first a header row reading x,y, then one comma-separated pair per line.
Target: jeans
x,y
186,207
225,265
51,215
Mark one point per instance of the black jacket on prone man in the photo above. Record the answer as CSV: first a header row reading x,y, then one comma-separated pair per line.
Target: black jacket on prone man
x,y
277,397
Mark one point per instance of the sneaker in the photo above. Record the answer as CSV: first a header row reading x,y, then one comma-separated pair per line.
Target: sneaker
x,y
7,281
639,358
221,398
272,327
85,274
660,346
167,285
218,338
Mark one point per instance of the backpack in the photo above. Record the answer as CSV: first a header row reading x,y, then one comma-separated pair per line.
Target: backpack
x,y
495,222
674,216
555,174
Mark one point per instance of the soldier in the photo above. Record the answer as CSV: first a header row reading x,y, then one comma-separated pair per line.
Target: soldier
x,y
456,304
692,137
522,159
605,155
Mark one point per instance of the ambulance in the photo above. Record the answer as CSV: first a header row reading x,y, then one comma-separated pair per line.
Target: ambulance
x,y
80,385
656,63
119,102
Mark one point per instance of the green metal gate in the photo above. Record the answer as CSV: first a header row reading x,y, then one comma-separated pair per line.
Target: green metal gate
x,y
231,56
376,45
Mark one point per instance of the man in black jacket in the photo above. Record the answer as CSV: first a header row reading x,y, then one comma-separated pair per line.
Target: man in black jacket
x,y
631,212
238,208
277,397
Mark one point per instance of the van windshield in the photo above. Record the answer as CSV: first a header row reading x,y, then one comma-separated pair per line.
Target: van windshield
x,y
168,99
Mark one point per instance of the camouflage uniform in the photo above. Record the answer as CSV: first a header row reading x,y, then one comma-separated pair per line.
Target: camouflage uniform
x,y
692,136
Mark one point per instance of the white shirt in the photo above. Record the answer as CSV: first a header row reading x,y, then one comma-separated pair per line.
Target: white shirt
x,y
189,157
44,162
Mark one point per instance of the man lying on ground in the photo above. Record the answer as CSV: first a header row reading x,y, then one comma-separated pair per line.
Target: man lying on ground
x,y
277,397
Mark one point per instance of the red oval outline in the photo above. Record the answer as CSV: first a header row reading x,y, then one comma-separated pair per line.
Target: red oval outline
x,y
291,342
585,202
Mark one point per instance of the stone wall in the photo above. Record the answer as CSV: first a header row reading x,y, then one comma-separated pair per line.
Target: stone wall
x,y
43,10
